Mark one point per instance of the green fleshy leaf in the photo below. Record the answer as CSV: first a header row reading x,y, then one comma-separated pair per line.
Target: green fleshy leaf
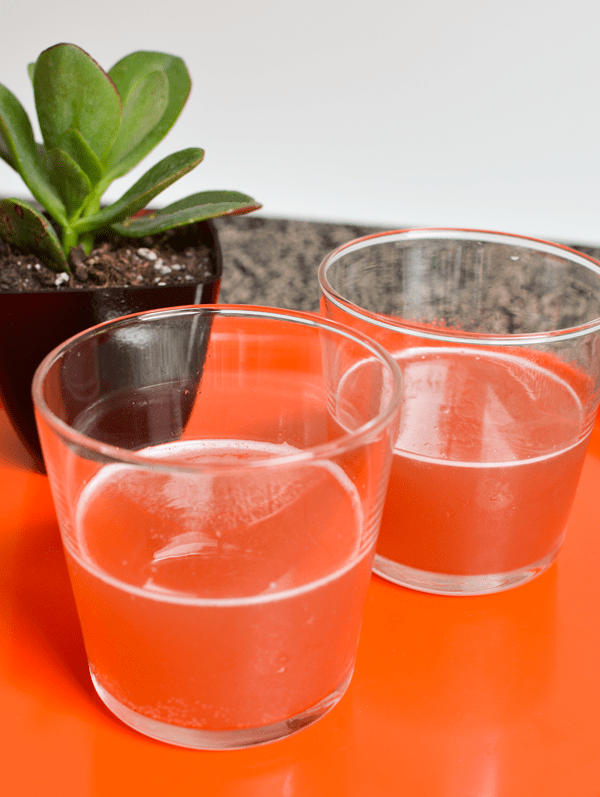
x,y
143,109
31,71
198,207
126,73
73,143
5,152
69,179
24,156
73,91
159,177
22,226
211,198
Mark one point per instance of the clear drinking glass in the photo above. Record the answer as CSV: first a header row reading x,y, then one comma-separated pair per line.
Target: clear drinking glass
x,y
219,475
497,338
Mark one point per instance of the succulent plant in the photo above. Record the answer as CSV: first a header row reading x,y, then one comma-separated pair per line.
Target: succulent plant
x,y
96,126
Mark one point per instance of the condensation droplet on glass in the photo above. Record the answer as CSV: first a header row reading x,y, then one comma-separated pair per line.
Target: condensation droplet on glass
x,y
514,257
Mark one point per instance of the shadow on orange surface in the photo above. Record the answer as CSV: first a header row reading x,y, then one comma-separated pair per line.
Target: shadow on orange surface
x,y
36,591
12,449
44,601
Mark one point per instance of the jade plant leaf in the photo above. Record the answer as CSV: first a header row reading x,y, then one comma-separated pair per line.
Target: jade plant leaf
x,y
69,179
22,226
156,179
143,109
73,143
204,205
5,151
125,74
24,156
72,91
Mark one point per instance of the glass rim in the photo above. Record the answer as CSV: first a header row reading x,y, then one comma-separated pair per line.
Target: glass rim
x,y
107,453
448,335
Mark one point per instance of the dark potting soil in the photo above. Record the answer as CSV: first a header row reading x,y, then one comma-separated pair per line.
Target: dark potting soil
x,y
169,258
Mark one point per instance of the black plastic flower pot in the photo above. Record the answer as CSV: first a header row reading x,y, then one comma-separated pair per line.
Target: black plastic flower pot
x,y
32,324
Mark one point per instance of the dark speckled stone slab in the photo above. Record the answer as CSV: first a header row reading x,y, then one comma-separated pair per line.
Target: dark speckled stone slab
x,y
274,262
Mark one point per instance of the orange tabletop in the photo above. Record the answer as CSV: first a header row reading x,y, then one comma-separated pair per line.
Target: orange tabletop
x,y
495,696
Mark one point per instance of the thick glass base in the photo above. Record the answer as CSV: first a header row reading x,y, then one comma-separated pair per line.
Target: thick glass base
x,y
205,739
452,584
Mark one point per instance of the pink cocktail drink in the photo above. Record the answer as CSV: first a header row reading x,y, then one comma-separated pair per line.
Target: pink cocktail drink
x,y
178,628
486,463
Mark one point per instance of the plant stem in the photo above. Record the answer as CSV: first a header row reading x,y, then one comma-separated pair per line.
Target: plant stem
x,y
69,240
87,241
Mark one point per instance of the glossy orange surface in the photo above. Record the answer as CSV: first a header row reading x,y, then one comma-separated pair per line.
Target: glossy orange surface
x,y
492,696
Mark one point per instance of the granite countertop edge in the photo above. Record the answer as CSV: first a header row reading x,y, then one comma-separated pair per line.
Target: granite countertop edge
x,y
274,261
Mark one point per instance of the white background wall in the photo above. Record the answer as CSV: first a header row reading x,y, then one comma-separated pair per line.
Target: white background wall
x,y
394,112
